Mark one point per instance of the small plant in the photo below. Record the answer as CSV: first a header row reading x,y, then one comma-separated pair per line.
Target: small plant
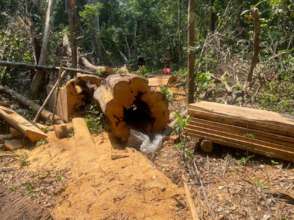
x,y
23,160
260,184
41,142
181,122
244,160
60,178
29,188
167,93
186,152
94,119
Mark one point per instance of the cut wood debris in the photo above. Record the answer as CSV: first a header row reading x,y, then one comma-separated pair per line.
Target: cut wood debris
x,y
21,124
161,80
262,132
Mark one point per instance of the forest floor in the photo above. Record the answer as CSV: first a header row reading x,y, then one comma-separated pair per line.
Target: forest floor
x,y
226,184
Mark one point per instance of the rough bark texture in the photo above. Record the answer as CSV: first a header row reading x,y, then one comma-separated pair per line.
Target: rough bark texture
x,y
98,69
191,53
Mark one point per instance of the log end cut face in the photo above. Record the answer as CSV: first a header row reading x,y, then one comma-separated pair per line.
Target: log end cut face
x,y
128,102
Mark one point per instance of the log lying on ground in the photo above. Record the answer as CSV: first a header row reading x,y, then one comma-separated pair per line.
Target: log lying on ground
x,y
72,96
42,67
21,124
28,103
128,102
258,131
97,69
161,80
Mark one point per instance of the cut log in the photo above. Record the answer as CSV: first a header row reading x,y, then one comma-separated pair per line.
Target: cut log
x,y
15,133
127,102
14,205
89,78
21,124
98,69
72,95
13,144
244,117
28,103
258,131
161,80
206,146
61,131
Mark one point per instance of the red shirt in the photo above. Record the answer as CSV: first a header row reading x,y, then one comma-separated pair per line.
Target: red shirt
x,y
166,70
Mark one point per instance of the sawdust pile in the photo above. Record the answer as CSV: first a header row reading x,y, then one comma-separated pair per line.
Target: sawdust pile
x,y
129,187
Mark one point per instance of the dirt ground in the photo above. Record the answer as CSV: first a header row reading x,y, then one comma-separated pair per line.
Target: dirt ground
x,y
129,187
76,182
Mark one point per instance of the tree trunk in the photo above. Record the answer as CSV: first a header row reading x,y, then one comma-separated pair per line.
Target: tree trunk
x,y
213,17
256,47
28,103
72,20
127,102
191,53
39,77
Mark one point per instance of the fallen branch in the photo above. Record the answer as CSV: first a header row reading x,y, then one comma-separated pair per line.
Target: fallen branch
x,y
28,103
100,69
42,67
190,201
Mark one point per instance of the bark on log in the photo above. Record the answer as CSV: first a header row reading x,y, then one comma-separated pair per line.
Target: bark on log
x,y
21,124
29,103
100,69
127,102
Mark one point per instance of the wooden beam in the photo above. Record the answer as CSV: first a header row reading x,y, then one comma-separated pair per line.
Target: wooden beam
x,y
21,124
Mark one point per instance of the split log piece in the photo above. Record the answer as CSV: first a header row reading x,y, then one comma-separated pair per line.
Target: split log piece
x,y
21,124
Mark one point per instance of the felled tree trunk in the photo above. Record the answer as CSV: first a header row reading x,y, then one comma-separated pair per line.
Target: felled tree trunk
x,y
28,103
128,102
98,69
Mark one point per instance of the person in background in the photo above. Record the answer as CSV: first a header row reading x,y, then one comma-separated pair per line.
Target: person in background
x,y
166,70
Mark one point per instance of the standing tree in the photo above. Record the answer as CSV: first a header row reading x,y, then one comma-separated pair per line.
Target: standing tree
x,y
191,53
72,20
256,46
40,76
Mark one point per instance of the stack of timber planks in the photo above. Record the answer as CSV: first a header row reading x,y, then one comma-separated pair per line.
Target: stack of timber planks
x,y
259,131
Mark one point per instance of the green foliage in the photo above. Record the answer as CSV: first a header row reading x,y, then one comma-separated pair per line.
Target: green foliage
x,y
90,13
203,81
94,119
181,123
23,160
186,152
244,160
167,93
41,142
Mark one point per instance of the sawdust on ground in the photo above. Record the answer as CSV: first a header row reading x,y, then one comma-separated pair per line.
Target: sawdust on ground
x,y
129,187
